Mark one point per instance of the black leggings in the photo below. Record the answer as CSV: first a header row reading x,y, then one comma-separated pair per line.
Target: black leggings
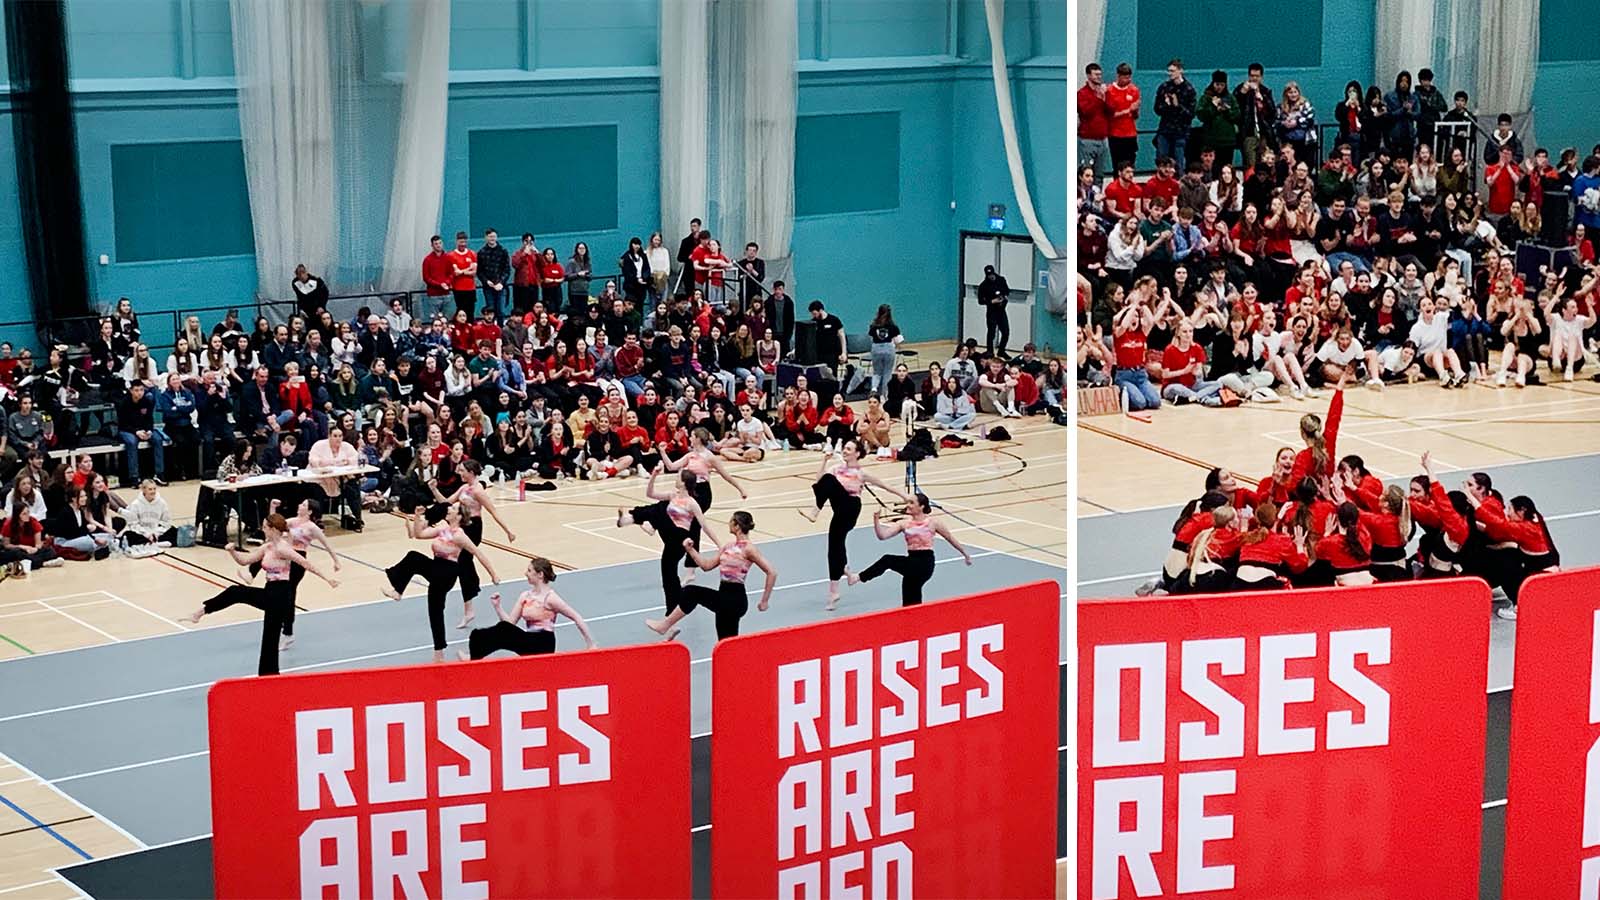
x,y
276,600
671,547
503,635
915,568
846,510
728,600
439,573
467,571
296,575
701,492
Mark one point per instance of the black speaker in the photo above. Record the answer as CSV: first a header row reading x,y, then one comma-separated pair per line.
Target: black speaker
x,y
805,343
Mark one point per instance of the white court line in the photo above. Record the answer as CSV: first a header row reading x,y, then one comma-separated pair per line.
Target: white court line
x,y
1114,578
74,618
23,887
140,845
50,609
610,537
152,614
1573,515
1494,804
139,765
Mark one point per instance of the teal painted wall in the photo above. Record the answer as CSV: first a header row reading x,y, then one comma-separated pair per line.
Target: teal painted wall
x,y
1564,92
1346,42
528,64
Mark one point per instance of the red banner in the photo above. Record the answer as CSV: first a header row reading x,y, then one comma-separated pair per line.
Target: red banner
x,y
1309,743
1553,791
551,776
904,753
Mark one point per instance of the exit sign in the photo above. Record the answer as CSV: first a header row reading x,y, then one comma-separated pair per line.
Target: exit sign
x,y
997,217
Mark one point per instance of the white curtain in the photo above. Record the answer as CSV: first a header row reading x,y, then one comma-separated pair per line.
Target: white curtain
x,y
418,183
995,13
281,57
1508,56
1091,32
756,88
1403,39
685,113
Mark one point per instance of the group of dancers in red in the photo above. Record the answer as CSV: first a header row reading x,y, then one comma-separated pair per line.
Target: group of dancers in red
x,y
453,529
1319,520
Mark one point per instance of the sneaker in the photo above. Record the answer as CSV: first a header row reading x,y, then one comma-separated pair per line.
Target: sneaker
x,y
1297,394
160,482
165,545
54,562
1500,380
1146,589
1509,613
1375,383
1567,375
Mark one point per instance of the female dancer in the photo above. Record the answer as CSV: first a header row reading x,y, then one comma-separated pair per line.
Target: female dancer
x,y
1443,519
530,628
1267,557
1275,487
1344,554
729,600
443,529
916,567
1316,460
1390,529
670,518
475,501
304,530
1210,555
839,484
701,461
1195,518
1521,525
278,558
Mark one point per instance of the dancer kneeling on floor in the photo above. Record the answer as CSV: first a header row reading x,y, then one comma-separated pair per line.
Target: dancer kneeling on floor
x,y
916,567
276,599
1522,526
529,629
729,600
448,539
1268,558
1211,556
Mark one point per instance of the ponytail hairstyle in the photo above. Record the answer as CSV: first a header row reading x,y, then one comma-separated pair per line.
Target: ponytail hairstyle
x,y
314,510
1394,501
1200,551
1483,481
544,567
1304,495
1350,521
1266,516
1523,504
1311,431
923,501
472,465
1207,502
1355,464
745,521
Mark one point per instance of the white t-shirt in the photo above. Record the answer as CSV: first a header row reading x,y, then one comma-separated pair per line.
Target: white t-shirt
x,y
1390,358
1430,337
1266,346
1330,352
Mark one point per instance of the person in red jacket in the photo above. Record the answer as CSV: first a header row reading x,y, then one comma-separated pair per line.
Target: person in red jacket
x,y
1269,558
437,273
838,423
1344,554
1317,459
1206,570
1443,521
1390,527
1122,102
1522,526
1275,487
1359,484
1195,518
800,421
1094,122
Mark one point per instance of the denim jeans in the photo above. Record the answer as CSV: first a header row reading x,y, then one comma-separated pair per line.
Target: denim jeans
x,y
882,368
1201,392
496,299
1136,383
633,385
1171,145
130,453
954,421
1339,258
1095,152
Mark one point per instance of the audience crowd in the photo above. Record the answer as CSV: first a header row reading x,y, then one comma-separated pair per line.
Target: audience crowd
x,y
1255,261
520,360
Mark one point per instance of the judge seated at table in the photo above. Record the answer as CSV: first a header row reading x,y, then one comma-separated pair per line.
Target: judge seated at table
x,y
335,452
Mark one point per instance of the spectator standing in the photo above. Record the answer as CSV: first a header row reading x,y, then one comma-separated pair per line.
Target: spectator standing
x,y
1122,102
686,247
830,337
660,267
1175,106
463,275
752,275
494,270
1501,178
1218,112
1404,110
1503,136
526,263
1430,108
884,336
636,272
1297,122
310,292
1094,122
437,273
780,317
579,272
1258,115
993,293
552,276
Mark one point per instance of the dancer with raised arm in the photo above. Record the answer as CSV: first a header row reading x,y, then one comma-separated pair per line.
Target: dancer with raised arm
x,y
839,484
529,629
305,529
278,558
448,541
701,461
475,502
669,518
916,567
729,600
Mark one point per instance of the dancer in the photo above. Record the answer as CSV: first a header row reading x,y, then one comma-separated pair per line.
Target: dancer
x,y
1195,518
916,567
475,501
529,629
1344,555
276,598
729,600
443,530
1268,558
1443,518
1524,527
669,518
305,529
701,461
1210,556
1316,460
839,484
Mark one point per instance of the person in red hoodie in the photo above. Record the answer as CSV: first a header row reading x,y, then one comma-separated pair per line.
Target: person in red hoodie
x,y
1359,484
800,421
1344,554
1317,459
1195,518
1213,551
438,273
1444,525
1274,488
1268,558
838,422
1389,524
1523,527
1094,122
